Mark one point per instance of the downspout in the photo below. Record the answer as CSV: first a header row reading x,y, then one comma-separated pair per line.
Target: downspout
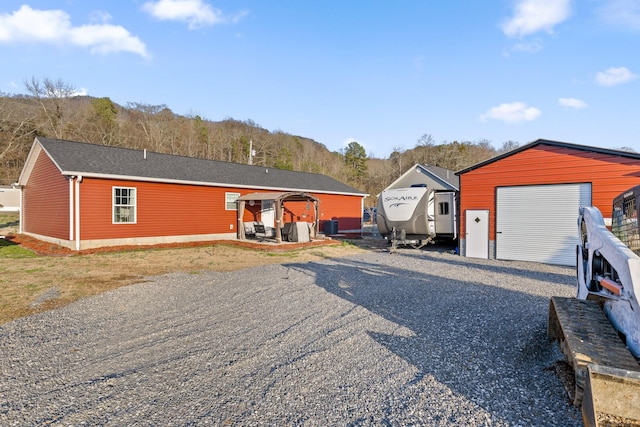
x,y
362,217
77,211
20,215
71,207
316,225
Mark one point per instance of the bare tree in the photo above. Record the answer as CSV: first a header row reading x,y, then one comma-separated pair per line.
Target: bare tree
x,y
17,130
51,95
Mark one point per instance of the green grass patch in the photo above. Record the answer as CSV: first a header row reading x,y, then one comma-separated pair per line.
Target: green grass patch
x,y
348,244
13,251
288,254
9,220
33,288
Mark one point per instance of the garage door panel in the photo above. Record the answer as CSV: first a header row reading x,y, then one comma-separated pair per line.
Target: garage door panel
x,y
539,223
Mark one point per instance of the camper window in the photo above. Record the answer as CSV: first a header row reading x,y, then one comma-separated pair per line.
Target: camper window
x,y
443,208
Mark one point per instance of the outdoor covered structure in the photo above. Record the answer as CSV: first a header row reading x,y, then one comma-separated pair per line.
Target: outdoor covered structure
x,y
279,199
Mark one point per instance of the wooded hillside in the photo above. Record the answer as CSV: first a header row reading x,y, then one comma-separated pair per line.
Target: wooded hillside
x,y
51,110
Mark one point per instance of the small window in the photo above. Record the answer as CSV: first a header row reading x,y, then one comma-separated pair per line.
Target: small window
x,y
124,205
443,208
232,201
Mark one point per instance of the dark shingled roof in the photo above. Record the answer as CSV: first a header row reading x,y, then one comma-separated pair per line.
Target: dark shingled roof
x,y
79,158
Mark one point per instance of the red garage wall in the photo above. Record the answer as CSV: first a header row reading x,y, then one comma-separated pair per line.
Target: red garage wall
x,y
608,174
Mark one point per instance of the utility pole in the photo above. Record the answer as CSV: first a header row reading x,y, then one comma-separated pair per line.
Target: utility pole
x,y
251,152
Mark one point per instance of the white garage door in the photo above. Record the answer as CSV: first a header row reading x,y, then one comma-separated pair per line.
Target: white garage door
x,y
539,222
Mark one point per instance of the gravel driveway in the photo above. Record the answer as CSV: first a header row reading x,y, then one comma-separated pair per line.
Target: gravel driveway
x,y
413,338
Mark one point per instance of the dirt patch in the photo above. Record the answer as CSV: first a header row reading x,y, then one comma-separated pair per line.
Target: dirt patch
x,y
9,223
46,276
36,275
49,249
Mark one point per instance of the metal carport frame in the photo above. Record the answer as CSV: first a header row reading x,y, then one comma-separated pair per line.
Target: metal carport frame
x,y
279,199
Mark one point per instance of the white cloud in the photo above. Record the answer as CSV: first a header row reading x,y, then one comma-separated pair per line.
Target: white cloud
x,y
531,16
531,47
105,39
54,26
195,12
625,13
615,76
514,112
239,16
100,16
572,103
81,92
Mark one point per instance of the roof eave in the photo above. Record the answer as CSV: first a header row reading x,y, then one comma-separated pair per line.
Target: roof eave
x,y
600,150
202,183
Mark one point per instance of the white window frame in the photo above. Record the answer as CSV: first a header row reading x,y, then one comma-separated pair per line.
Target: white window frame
x,y
117,207
227,201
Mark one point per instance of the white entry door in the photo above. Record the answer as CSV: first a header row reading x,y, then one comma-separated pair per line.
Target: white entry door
x,y
477,233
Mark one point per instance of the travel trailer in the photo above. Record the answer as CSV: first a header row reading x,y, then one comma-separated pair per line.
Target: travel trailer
x,y
417,215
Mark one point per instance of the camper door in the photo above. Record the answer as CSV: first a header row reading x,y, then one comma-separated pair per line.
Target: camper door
x,y
445,213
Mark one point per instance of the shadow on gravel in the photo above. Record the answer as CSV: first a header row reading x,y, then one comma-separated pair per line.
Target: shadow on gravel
x,y
483,341
491,265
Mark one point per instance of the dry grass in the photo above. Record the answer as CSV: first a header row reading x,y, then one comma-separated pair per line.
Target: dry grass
x,y
32,283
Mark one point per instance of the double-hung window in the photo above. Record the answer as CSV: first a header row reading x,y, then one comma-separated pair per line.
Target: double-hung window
x,y
124,205
231,200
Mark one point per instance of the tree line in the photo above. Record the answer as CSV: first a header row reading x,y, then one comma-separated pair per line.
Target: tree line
x,y
51,108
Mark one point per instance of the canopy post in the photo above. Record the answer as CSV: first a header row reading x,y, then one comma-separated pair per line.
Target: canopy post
x,y
240,231
279,225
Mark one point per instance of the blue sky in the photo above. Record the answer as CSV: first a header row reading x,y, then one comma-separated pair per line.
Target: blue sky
x,y
378,72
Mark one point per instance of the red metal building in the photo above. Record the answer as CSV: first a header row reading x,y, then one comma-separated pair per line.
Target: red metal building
x,y
523,205
84,196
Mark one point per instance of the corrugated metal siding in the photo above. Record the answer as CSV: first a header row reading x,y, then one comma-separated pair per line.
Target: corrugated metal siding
x,y
46,201
548,164
538,223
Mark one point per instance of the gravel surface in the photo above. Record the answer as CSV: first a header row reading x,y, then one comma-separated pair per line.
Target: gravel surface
x,y
419,337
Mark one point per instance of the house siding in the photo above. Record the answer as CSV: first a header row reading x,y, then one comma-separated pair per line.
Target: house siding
x,y
46,191
161,210
299,212
547,164
347,210
183,210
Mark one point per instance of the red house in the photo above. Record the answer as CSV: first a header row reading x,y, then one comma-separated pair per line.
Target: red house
x,y
85,196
